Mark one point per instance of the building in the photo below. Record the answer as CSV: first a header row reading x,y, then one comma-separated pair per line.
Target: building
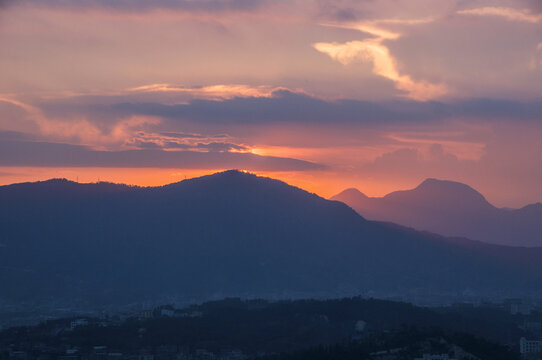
x,y
529,346
188,314
435,357
360,326
146,314
518,306
78,322
533,326
167,312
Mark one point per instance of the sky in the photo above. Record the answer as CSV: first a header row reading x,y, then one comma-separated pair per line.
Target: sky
x,y
372,94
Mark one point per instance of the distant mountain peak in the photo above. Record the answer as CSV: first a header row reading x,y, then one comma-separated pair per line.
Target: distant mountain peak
x,y
432,184
441,184
351,192
444,192
451,208
58,181
233,176
241,182
234,173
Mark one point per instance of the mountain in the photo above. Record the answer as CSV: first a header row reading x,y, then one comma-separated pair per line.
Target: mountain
x,y
229,234
451,209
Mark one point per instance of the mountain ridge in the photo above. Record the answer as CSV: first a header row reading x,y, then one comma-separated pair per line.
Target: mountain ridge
x,y
231,234
452,209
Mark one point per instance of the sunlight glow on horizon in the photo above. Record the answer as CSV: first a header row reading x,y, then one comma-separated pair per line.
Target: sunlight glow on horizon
x,y
324,185
321,184
377,95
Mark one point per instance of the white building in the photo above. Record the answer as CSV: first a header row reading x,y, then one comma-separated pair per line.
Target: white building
x,y
530,346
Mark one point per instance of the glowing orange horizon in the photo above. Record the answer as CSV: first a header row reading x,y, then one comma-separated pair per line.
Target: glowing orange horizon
x,y
324,184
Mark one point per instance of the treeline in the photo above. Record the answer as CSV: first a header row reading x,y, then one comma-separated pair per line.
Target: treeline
x,y
404,344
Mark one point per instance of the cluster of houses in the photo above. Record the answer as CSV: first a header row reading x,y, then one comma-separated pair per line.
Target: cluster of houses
x,y
165,352
168,311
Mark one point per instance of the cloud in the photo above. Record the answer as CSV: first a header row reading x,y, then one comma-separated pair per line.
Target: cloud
x,y
210,92
142,140
15,135
412,165
507,13
288,107
220,147
384,64
161,92
247,48
371,28
508,170
211,6
107,123
44,154
404,160
330,10
182,135
4,3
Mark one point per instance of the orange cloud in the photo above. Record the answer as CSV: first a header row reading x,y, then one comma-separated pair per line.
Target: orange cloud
x,y
123,132
384,64
213,92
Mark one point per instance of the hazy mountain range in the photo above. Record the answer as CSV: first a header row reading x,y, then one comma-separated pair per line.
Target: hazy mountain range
x,y
226,234
452,209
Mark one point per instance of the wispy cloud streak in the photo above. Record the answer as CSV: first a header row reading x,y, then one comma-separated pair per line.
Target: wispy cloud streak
x,y
507,13
213,92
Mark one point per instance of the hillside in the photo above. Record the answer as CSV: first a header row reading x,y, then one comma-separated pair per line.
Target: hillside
x,y
229,234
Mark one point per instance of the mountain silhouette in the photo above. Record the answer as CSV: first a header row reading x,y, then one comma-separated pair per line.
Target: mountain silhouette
x,y
229,234
452,209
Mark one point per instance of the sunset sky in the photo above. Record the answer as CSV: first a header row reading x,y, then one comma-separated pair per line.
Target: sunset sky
x,y
325,95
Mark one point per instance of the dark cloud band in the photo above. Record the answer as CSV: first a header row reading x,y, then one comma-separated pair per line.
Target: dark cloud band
x,y
44,154
289,107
